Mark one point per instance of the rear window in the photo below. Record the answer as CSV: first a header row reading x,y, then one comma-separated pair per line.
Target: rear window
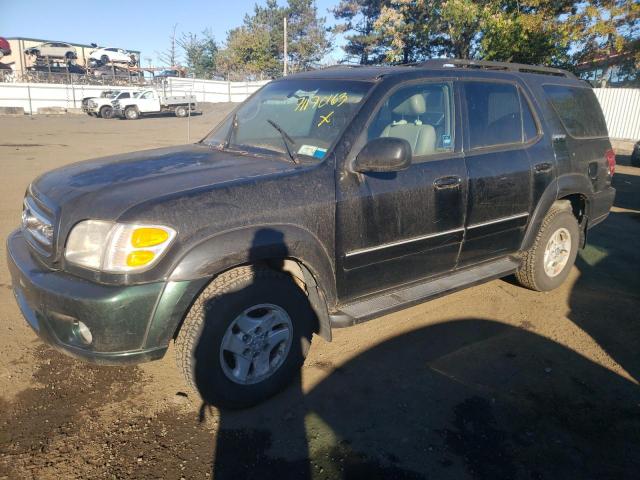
x,y
578,109
497,115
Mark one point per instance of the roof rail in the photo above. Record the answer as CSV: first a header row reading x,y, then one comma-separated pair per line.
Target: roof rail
x,y
489,65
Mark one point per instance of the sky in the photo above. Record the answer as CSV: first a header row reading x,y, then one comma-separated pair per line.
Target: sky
x,y
143,25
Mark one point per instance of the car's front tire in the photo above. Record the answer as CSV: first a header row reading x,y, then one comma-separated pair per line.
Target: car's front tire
x,y
106,112
181,111
245,338
547,264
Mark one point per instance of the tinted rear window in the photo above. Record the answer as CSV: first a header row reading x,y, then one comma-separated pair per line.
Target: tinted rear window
x,y
578,109
494,114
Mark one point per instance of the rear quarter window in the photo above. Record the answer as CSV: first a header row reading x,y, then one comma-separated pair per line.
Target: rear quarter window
x,y
578,110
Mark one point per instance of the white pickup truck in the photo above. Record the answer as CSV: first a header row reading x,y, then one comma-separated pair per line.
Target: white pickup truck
x,y
102,106
152,101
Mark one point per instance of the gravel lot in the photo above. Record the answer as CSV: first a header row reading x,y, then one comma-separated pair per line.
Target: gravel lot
x,y
494,382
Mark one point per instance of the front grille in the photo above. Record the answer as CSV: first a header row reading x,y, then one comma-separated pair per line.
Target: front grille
x,y
37,226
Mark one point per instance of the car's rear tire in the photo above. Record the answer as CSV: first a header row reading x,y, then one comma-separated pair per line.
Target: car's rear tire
x,y
106,112
131,113
181,111
226,347
547,263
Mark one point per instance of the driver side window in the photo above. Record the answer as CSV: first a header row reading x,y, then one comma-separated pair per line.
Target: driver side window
x,y
420,114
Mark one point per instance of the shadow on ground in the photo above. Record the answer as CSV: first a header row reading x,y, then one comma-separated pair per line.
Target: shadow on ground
x,y
470,398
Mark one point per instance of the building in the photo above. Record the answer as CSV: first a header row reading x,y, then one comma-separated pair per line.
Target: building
x,y
612,70
20,62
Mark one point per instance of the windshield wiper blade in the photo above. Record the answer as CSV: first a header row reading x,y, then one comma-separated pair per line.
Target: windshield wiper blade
x,y
232,129
286,139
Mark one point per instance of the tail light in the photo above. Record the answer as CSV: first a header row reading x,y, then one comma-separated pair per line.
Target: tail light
x,y
610,156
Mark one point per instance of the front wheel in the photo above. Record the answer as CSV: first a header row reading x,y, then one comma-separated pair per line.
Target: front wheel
x,y
106,112
547,264
245,338
181,111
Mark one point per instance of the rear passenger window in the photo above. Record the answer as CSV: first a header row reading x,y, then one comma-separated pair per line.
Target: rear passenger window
x,y
578,109
495,116
420,114
124,95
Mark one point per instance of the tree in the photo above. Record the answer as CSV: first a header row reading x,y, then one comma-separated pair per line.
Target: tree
x,y
357,20
170,56
200,53
308,40
259,43
528,31
605,28
247,52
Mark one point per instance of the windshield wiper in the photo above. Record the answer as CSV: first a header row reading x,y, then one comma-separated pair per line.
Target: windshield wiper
x,y
286,139
232,129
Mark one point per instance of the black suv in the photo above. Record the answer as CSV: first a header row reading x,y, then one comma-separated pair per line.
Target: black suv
x,y
325,199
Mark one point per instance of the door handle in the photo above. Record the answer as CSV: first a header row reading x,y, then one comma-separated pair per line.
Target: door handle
x,y
447,182
543,167
559,137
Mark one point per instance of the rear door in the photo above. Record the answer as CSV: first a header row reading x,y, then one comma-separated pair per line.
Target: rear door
x,y
399,227
501,128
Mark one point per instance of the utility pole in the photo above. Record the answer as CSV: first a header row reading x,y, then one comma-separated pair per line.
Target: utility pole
x,y
286,60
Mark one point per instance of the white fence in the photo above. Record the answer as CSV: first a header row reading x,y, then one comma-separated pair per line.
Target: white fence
x,y
32,96
621,108
213,90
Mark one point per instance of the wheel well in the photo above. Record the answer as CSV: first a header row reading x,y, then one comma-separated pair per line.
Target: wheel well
x,y
578,205
305,280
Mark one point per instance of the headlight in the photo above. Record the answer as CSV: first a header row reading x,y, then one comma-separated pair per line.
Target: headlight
x,y
92,104
117,247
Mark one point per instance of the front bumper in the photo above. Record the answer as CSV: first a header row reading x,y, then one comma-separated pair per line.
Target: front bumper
x,y
52,302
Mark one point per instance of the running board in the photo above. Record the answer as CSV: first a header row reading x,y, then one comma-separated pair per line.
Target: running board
x,y
372,307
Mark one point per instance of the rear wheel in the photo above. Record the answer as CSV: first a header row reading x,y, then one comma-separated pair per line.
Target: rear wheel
x,y
106,112
181,111
547,263
245,338
104,59
131,113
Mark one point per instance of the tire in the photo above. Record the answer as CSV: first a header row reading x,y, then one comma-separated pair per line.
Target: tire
x,y
532,273
104,59
106,112
131,113
211,319
181,111
70,55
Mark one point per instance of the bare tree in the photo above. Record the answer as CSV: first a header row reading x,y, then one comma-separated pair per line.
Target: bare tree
x,y
169,57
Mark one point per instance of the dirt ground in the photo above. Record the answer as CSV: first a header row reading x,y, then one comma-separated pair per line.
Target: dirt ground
x,y
493,382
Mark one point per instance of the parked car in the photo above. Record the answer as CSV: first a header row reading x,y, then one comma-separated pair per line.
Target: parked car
x,y
114,55
5,48
635,155
103,94
152,101
102,107
111,71
53,50
326,199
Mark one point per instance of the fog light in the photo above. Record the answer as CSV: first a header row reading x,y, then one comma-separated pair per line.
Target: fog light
x,y
82,332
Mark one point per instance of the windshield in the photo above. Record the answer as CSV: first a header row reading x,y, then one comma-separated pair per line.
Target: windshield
x,y
304,117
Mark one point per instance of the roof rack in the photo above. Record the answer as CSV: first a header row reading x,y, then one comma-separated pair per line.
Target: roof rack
x,y
489,65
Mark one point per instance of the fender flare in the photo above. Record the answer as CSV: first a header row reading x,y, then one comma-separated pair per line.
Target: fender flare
x,y
230,249
562,186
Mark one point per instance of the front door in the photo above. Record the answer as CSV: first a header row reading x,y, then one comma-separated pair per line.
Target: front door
x,y
501,129
396,228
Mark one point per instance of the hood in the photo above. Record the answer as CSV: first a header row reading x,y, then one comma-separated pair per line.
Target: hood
x,y
105,188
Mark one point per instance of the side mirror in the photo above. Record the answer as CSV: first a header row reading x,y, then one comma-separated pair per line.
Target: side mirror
x,y
387,154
